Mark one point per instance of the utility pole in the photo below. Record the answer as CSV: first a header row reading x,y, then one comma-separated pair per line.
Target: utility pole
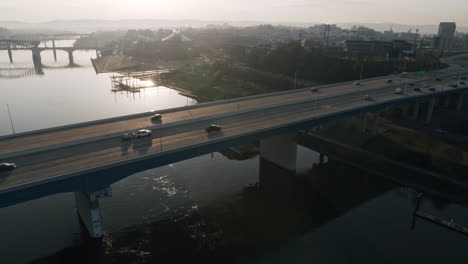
x,y
362,70
11,120
295,79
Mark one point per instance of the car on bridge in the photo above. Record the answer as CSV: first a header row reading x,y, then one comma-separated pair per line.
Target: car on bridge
x,y
7,166
213,128
417,89
367,97
357,83
432,89
156,117
399,90
314,90
462,83
139,134
389,81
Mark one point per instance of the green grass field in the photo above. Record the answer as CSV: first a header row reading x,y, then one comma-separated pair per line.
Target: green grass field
x,y
462,61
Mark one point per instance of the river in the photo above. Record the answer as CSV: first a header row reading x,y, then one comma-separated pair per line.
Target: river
x,y
210,209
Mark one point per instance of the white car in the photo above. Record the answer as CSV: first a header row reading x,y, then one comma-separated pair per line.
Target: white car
x,y
142,133
399,91
356,83
367,97
139,134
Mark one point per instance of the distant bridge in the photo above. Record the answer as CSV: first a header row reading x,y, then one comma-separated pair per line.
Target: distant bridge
x,y
11,45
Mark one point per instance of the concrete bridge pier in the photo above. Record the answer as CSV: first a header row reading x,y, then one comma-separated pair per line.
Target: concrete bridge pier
x,y
37,60
430,110
87,206
375,125
280,150
10,55
405,110
54,49
460,102
416,108
364,123
70,58
447,101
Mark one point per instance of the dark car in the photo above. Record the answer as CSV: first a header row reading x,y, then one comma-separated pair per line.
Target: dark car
x,y
411,84
7,166
432,89
156,117
417,89
126,137
438,79
463,78
462,83
213,128
389,81
314,90
454,85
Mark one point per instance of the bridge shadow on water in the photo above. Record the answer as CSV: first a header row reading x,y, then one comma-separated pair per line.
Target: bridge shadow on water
x,y
279,208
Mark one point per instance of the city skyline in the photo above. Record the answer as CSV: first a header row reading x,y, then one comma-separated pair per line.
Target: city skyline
x,y
416,12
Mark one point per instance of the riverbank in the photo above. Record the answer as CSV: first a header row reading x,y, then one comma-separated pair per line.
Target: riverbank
x,y
420,147
216,81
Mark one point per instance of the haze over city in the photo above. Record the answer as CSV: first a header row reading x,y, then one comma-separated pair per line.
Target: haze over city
x,y
248,131
315,11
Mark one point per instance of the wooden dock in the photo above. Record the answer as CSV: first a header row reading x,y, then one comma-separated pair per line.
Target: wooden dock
x,y
442,222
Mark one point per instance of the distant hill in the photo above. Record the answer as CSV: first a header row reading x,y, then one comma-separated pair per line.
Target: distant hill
x,y
88,26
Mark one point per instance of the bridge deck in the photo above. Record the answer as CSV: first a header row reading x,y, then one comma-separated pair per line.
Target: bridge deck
x,y
80,159
47,139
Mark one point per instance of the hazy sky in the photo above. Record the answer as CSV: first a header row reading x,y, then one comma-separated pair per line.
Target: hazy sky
x,y
328,11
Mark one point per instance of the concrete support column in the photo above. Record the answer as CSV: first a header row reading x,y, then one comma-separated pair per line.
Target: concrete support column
x,y
447,101
10,55
54,49
70,58
430,110
280,150
460,102
415,111
375,126
87,206
37,60
364,123
405,110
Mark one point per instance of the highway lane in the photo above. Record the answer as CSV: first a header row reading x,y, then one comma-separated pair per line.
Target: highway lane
x,y
53,163
80,133
161,132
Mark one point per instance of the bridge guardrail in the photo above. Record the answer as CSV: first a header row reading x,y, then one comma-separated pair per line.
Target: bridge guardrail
x,y
358,93
175,109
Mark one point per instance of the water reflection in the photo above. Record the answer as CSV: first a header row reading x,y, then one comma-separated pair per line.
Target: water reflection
x,y
67,95
280,207
15,71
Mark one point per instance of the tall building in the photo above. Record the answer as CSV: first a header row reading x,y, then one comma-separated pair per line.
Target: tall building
x,y
446,35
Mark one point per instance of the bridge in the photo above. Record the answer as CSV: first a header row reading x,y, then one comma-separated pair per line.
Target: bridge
x,y
32,44
87,158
